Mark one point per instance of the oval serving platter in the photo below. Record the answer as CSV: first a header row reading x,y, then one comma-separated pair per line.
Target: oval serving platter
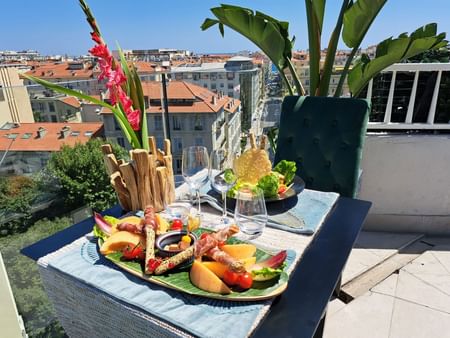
x,y
179,279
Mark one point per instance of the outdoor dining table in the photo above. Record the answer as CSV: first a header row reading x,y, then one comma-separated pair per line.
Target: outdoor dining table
x,y
298,312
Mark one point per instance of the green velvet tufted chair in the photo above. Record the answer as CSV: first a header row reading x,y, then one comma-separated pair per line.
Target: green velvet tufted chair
x,y
325,137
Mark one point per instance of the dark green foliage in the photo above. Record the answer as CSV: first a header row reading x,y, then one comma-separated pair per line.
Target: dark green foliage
x,y
82,175
31,299
16,195
441,55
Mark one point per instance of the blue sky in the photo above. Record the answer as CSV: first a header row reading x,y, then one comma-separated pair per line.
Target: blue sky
x,y
58,26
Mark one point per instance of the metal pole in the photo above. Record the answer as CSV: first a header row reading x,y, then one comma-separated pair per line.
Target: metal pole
x,y
165,116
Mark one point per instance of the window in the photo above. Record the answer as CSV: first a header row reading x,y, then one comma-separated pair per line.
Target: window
x,y
196,76
53,118
230,94
198,141
178,166
41,107
213,76
12,136
27,136
75,133
158,123
213,86
51,107
121,142
160,143
222,85
198,123
176,123
205,85
178,144
204,76
230,86
230,76
88,133
2,96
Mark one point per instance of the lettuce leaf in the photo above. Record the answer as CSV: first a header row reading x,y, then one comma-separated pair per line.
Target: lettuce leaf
x,y
99,233
267,273
269,184
287,169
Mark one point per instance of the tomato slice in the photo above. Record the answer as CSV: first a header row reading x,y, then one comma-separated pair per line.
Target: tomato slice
x,y
245,280
133,253
282,189
230,277
204,235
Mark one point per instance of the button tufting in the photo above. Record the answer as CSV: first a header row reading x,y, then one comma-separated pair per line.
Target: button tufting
x,y
334,122
306,122
328,164
299,159
336,187
290,139
316,140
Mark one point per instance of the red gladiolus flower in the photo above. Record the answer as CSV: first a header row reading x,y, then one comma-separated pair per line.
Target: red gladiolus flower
x,y
116,78
96,38
101,51
133,117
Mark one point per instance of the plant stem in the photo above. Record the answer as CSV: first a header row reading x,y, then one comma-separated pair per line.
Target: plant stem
x,y
283,76
298,84
331,52
314,48
338,92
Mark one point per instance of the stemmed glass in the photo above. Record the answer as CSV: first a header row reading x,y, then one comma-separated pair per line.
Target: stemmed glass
x,y
221,176
250,213
194,167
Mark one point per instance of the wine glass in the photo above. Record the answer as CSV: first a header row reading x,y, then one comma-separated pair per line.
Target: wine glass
x,y
221,176
194,168
250,213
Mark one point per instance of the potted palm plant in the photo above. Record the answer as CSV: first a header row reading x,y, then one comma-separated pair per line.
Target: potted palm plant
x,y
325,135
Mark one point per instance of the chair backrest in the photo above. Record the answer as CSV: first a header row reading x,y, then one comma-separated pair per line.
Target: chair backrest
x,y
325,137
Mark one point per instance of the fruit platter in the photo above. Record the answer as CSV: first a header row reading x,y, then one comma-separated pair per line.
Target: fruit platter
x,y
190,259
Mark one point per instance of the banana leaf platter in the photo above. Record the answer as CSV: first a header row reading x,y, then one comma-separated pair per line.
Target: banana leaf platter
x,y
178,279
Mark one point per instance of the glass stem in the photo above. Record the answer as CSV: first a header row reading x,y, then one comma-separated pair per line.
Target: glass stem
x,y
198,199
224,199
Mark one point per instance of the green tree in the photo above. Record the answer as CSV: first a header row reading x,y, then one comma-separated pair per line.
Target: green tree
x,y
441,55
82,176
16,196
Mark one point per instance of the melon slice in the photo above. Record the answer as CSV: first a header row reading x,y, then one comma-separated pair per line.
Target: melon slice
x,y
206,280
220,268
239,251
120,240
163,225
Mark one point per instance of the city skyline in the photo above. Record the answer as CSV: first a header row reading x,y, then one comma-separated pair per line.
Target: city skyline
x,y
61,28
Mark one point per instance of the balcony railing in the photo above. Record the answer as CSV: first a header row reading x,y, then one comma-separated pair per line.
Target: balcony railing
x,y
436,86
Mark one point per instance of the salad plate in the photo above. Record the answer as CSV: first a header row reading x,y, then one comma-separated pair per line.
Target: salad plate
x,y
295,188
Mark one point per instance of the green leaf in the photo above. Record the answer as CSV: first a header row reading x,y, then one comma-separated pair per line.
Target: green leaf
x,y
357,20
391,51
318,7
141,99
314,17
66,91
269,34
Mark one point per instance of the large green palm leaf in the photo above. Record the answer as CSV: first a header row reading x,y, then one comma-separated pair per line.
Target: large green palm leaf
x,y
269,34
391,51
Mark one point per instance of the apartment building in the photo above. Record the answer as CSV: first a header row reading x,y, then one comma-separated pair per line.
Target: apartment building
x,y
238,77
14,102
26,148
58,108
77,75
197,116
159,55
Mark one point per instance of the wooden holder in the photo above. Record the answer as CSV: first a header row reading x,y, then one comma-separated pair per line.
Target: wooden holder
x,y
146,180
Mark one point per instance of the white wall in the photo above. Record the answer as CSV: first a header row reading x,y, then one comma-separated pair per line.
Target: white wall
x,y
407,178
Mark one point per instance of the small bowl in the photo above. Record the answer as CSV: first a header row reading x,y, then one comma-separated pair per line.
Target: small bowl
x,y
171,237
